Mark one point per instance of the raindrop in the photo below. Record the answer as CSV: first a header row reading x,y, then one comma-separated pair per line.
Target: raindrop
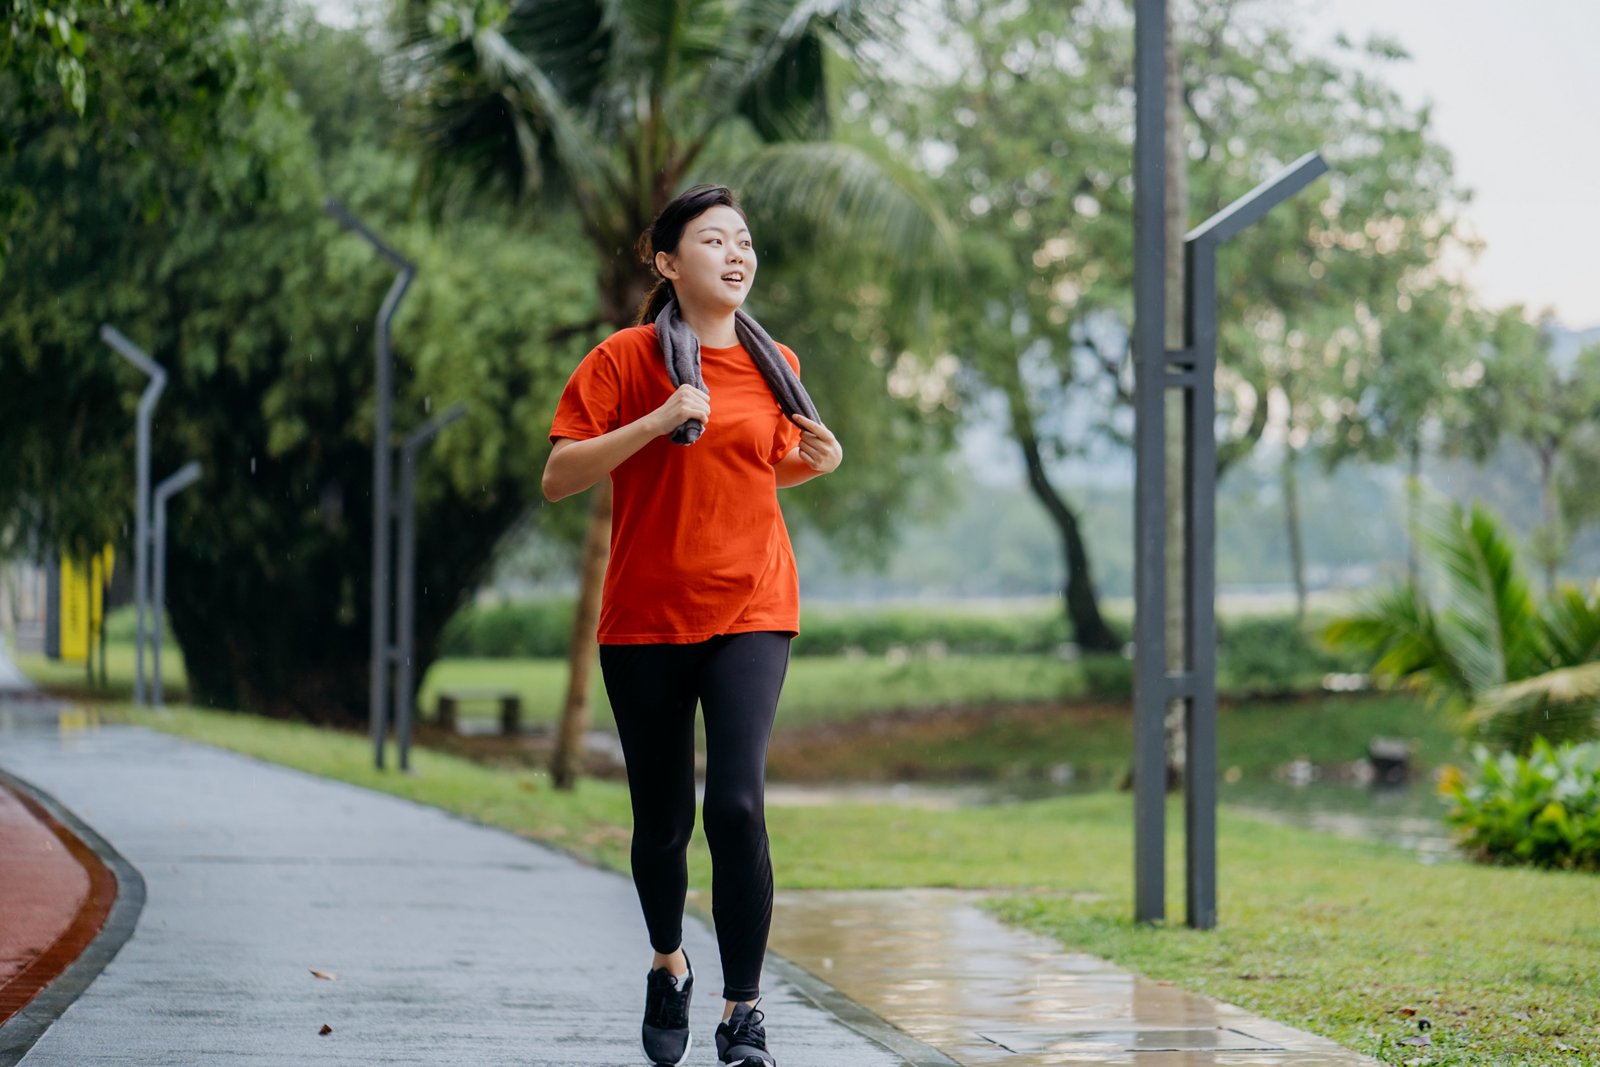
x,y
252,464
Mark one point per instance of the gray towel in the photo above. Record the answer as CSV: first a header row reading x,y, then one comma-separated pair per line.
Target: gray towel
x,y
681,347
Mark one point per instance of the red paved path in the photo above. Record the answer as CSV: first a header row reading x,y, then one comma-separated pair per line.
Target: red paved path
x,y
54,897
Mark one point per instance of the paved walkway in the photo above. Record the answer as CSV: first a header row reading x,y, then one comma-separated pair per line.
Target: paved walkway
x,y
452,943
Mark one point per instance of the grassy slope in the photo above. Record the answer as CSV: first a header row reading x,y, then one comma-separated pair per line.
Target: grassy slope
x,y
1332,935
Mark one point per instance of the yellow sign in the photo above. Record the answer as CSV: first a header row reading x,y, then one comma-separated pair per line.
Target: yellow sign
x,y
82,603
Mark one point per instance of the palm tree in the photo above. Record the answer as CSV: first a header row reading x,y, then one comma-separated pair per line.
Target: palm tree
x,y
1512,670
609,107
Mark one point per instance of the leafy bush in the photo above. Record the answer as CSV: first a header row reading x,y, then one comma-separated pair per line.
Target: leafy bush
x,y
964,634
1108,676
1274,655
508,631
1542,809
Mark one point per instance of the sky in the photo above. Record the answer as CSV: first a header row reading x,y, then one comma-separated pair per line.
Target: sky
x,y
1515,100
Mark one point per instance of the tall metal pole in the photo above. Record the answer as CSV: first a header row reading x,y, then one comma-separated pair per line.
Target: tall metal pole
x,y
382,509
141,529
1149,349
1198,683
405,700
180,479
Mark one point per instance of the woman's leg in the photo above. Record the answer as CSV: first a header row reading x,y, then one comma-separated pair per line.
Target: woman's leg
x,y
739,685
652,693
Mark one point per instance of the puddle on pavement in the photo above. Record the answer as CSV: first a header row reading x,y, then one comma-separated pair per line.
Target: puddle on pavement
x,y
952,976
27,711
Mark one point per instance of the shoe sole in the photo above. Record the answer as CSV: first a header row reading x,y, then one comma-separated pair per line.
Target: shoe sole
x,y
651,1061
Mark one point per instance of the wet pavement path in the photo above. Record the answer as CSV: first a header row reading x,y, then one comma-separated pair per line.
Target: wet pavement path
x,y
452,943
984,993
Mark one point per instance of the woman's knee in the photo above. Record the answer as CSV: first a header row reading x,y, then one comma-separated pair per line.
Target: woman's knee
x,y
663,836
733,815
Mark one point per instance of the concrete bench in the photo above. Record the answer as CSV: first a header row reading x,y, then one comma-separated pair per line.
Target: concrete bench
x,y
450,700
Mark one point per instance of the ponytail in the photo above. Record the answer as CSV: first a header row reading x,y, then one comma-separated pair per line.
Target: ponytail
x,y
660,293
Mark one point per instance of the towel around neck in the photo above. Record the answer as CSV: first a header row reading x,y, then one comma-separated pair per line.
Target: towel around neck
x,y
681,348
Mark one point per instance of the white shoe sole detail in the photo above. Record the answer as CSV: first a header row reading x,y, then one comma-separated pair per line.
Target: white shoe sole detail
x,y
651,1061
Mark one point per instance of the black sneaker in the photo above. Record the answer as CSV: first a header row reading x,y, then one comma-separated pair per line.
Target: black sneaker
x,y
665,1034
742,1040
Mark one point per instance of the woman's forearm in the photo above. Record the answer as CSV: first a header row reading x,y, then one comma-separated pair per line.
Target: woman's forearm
x,y
794,470
574,466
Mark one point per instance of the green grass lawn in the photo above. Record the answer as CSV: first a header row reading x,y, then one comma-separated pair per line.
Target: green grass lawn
x,y
72,678
1337,936
818,689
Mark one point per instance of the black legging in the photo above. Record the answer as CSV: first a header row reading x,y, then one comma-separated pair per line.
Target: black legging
x,y
653,689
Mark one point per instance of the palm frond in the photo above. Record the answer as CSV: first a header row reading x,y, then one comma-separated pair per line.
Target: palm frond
x,y
1489,625
841,195
1399,633
493,100
770,65
1559,705
1572,625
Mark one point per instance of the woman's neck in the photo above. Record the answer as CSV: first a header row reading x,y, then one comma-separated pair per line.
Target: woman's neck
x,y
714,328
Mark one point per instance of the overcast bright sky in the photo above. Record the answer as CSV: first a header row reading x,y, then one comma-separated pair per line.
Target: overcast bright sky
x,y
1516,100
1516,90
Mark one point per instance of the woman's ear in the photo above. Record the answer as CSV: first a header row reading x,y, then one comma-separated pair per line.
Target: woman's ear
x,y
667,265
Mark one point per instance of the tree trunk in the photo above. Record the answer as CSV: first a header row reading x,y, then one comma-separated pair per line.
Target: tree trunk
x,y
1413,511
1177,197
1089,628
1550,515
1291,516
568,754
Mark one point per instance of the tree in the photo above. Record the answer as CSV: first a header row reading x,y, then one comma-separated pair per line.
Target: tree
x,y
1547,408
1327,280
609,109
260,309
1407,382
1031,162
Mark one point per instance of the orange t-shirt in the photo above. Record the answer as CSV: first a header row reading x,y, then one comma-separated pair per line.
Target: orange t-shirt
x,y
698,544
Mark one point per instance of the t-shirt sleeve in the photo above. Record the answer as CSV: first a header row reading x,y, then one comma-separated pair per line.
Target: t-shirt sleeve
x,y
591,403
787,435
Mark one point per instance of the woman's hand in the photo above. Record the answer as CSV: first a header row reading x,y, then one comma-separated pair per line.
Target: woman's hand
x,y
684,404
819,453
818,447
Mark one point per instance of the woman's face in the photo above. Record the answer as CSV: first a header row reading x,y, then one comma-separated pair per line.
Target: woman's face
x,y
715,261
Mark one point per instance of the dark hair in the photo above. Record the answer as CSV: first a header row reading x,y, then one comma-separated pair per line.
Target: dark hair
x,y
667,230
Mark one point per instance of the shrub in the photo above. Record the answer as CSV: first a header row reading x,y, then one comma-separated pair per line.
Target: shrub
x,y
1108,676
1541,809
1274,655
528,628
962,634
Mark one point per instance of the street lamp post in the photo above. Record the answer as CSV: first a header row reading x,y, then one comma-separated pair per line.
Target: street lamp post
x,y
1192,371
141,535
405,700
382,508
175,482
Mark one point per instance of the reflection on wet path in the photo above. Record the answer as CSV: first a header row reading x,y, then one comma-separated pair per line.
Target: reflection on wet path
x,y
954,977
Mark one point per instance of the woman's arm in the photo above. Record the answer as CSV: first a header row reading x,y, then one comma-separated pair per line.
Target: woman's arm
x,y
574,466
819,453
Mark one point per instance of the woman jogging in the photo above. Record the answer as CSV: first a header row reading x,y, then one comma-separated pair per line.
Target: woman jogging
x,y
698,417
